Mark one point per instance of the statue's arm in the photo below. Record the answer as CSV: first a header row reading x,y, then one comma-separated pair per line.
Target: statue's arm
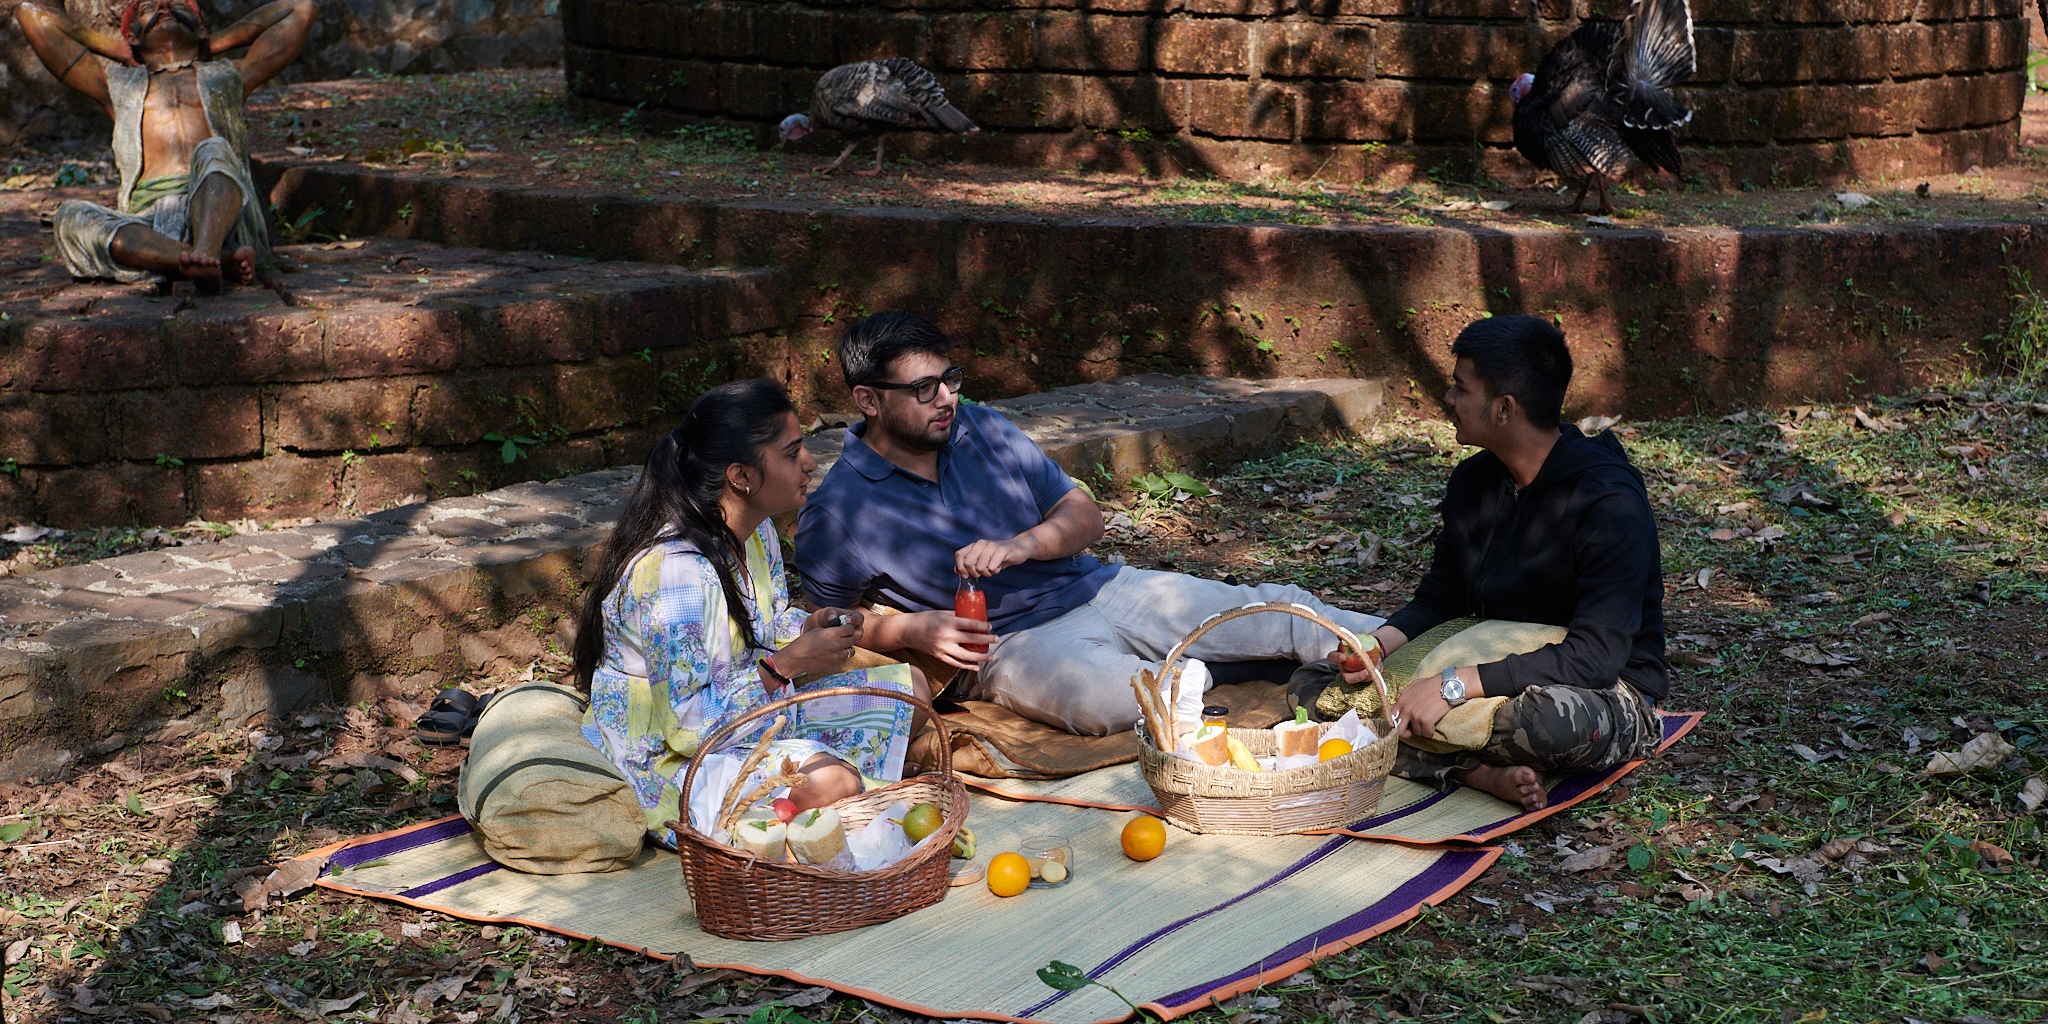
x,y
274,34
62,45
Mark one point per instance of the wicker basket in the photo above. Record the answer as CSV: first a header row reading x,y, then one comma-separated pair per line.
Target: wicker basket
x,y
742,896
1219,798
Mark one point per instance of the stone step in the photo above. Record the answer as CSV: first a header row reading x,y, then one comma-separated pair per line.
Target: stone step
x,y
439,592
370,371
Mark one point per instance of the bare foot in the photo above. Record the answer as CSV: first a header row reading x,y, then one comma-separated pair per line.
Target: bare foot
x,y
1516,784
200,269
240,266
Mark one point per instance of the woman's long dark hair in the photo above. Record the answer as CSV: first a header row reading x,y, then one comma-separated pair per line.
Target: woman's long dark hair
x,y
677,495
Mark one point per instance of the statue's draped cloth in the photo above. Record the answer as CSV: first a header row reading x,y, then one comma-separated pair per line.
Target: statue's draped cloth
x,y
86,230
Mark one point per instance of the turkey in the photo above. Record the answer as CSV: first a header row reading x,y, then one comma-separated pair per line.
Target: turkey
x,y
1604,94
871,97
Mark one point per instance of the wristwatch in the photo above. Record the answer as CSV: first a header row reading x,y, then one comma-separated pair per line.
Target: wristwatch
x,y
1453,688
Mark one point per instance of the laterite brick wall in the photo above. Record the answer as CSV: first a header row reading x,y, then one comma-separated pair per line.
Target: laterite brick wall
x,y
1786,89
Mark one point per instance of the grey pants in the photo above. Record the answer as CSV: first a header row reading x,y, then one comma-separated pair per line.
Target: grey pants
x,y
1074,673
1551,728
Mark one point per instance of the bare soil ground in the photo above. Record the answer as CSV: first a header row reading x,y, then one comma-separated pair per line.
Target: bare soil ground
x,y
518,127
1848,591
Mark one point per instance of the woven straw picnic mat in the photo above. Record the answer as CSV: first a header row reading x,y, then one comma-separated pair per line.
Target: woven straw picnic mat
x,y
1213,915
1409,812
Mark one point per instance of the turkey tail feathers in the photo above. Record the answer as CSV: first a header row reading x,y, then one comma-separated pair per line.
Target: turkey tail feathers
x,y
949,118
1656,54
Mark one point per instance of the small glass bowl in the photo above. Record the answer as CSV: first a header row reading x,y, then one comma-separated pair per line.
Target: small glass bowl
x,y
1041,851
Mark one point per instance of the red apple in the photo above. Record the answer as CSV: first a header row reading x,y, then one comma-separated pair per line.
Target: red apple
x,y
784,808
1352,662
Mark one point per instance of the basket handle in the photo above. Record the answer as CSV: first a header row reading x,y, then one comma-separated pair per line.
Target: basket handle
x,y
732,728
1348,638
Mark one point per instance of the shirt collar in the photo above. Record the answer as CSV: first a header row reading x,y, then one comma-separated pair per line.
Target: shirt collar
x,y
870,463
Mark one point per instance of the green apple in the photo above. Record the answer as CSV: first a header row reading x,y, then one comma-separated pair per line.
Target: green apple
x,y
921,821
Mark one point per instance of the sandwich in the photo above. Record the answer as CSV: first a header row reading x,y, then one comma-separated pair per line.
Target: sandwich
x,y
762,837
1210,744
816,837
1299,738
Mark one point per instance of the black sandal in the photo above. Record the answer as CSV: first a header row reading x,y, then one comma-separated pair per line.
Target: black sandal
x,y
450,719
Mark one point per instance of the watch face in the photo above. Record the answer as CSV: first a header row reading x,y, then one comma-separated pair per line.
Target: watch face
x,y
1453,687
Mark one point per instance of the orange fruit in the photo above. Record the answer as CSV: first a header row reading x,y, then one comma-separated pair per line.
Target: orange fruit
x,y
1144,837
1008,874
1332,748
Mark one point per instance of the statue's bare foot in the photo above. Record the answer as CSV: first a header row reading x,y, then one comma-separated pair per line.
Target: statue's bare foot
x,y
200,269
240,266
1517,784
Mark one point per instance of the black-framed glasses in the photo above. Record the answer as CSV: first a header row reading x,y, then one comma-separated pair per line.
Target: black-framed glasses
x,y
925,389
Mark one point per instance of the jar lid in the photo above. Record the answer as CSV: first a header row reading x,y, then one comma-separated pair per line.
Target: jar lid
x,y
1215,711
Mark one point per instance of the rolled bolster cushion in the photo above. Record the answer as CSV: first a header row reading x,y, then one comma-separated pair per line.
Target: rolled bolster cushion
x,y
1453,644
539,796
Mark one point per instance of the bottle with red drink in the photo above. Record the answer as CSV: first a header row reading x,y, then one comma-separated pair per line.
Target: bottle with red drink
x,y
971,602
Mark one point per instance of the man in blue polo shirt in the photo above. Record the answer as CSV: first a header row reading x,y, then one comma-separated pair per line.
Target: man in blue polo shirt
x,y
928,491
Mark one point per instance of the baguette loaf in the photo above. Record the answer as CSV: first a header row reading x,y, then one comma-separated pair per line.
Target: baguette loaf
x,y
816,837
1298,739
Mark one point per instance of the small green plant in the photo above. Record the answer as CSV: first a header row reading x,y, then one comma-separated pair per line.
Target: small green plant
x,y
1069,978
511,446
10,467
300,228
1166,484
168,461
2023,349
405,212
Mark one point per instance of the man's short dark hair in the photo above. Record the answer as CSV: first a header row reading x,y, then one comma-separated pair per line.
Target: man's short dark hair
x,y
1523,356
872,344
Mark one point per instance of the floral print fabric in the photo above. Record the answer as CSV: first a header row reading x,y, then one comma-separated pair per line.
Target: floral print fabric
x,y
675,672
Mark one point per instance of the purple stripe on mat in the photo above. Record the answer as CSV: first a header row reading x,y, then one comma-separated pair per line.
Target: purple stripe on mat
x,y
410,839
1134,948
449,882
1407,896
1382,819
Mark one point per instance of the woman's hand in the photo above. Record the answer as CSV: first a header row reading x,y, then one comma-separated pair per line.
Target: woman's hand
x,y
820,648
825,617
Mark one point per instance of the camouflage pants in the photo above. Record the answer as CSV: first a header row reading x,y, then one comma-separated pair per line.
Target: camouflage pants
x,y
1551,728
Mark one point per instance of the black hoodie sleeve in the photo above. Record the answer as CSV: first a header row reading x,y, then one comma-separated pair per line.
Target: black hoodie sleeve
x,y
1614,550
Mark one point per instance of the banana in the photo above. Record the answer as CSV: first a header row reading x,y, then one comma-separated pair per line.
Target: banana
x,y
1240,755
963,843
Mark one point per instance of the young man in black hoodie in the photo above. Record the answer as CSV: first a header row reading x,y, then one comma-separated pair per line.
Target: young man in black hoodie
x,y
1550,526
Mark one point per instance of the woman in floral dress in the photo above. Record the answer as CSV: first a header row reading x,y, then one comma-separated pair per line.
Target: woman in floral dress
x,y
688,625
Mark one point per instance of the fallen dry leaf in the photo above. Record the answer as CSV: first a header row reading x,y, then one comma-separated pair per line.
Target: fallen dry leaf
x,y
1992,853
1587,860
446,988
2033,794
1808,654
290,878
1985,750
1836,849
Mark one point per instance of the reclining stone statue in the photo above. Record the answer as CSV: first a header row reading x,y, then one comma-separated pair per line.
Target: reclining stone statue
x,y
187,208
